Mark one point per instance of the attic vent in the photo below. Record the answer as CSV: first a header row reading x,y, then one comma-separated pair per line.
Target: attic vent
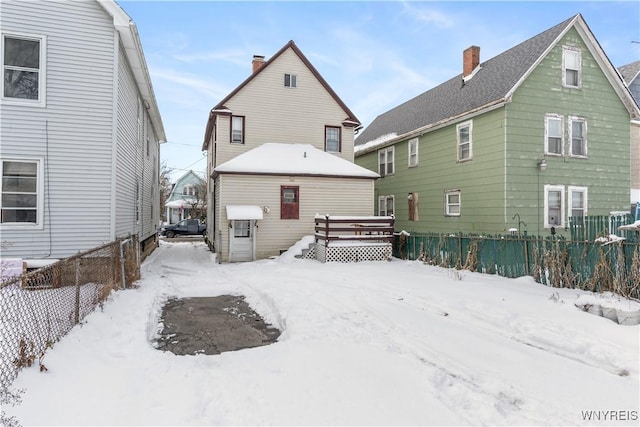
x,y
290,80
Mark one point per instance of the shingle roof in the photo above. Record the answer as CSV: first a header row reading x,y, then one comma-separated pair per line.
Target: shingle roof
x,y
495,79
630,71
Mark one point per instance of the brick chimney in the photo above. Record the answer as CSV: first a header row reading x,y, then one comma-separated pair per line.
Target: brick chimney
x,y
258,61
470,60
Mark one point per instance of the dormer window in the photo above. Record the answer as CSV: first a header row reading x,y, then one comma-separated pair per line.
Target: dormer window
x,y
290,80
571,67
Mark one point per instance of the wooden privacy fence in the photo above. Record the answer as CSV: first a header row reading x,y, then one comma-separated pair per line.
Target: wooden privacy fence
x,y
554,261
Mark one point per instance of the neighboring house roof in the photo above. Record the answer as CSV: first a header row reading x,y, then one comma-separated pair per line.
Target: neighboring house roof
x,y
492,84
133,50
188,178
292,159
220,108
630,72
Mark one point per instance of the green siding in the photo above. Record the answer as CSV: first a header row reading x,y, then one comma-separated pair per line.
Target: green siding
x,y
606,170
502,179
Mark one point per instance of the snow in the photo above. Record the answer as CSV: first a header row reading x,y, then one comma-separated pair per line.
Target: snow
x,y
611,238
243,212
371,343
635,226
374,143
294,159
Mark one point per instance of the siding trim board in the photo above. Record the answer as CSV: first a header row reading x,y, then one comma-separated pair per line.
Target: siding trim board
x,y
306,175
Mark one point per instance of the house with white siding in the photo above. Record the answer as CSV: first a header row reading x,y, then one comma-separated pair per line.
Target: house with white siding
x,y
280,150
80,130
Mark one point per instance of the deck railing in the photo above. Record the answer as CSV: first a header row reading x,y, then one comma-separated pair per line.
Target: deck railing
x,y
352,229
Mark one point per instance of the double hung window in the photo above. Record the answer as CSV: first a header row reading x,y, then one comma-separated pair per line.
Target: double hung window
x,y
22,68
21,192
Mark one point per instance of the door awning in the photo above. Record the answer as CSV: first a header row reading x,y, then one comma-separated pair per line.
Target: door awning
x,y
244,212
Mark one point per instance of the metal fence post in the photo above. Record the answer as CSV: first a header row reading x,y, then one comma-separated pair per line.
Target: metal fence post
x,y
77,311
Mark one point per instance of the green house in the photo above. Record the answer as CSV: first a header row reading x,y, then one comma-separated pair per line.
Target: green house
x,y
520,142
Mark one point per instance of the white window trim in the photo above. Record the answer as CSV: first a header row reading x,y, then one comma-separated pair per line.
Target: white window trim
x,y
547,189
468,124
564,74
39,225
584,136
385,152
415,143
575,189
42,92
546,134
447,205
384,200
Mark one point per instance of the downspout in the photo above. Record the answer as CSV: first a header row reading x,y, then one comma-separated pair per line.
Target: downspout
x,y
505,166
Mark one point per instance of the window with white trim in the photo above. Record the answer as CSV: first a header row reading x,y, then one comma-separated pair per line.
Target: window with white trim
x,y
385,162
452,203
465,141
577,201
386,205
571,67
553,206
553,131
23,68
237,129
578,136
21,189
290,80
413,152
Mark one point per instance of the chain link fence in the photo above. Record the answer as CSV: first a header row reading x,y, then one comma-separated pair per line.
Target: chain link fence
x,y
38,308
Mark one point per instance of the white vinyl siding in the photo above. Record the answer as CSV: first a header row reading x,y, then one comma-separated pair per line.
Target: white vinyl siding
x,y
275,114
72,134
334,196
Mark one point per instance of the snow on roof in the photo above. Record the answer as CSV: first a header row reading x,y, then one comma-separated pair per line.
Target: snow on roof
x,y
293,159
244,212
369,146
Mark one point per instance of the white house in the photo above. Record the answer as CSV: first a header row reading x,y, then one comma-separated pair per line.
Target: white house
x,y
280,150
80,129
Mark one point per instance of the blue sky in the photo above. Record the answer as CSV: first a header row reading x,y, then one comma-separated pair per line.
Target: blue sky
x,y
374,54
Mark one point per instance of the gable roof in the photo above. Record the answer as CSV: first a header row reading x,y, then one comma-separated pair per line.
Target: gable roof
x,y
130,39
220,108
630,72
292,159
492,85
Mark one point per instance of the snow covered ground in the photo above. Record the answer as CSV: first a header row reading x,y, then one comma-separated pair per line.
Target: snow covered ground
x,y
384,343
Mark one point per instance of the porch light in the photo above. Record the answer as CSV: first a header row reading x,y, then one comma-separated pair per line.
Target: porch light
x,y
542,165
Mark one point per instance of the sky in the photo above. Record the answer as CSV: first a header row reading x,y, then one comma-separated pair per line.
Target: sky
x,y
378,343
374,54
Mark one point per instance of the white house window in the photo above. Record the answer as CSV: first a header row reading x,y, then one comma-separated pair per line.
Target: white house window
x,y
385,162
465,141
571,67
452,203
290,80
386,205
241,228
578,136
189,190
237,129
21,201
413,152
553,134
332,139
578,201
553,206
23,68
